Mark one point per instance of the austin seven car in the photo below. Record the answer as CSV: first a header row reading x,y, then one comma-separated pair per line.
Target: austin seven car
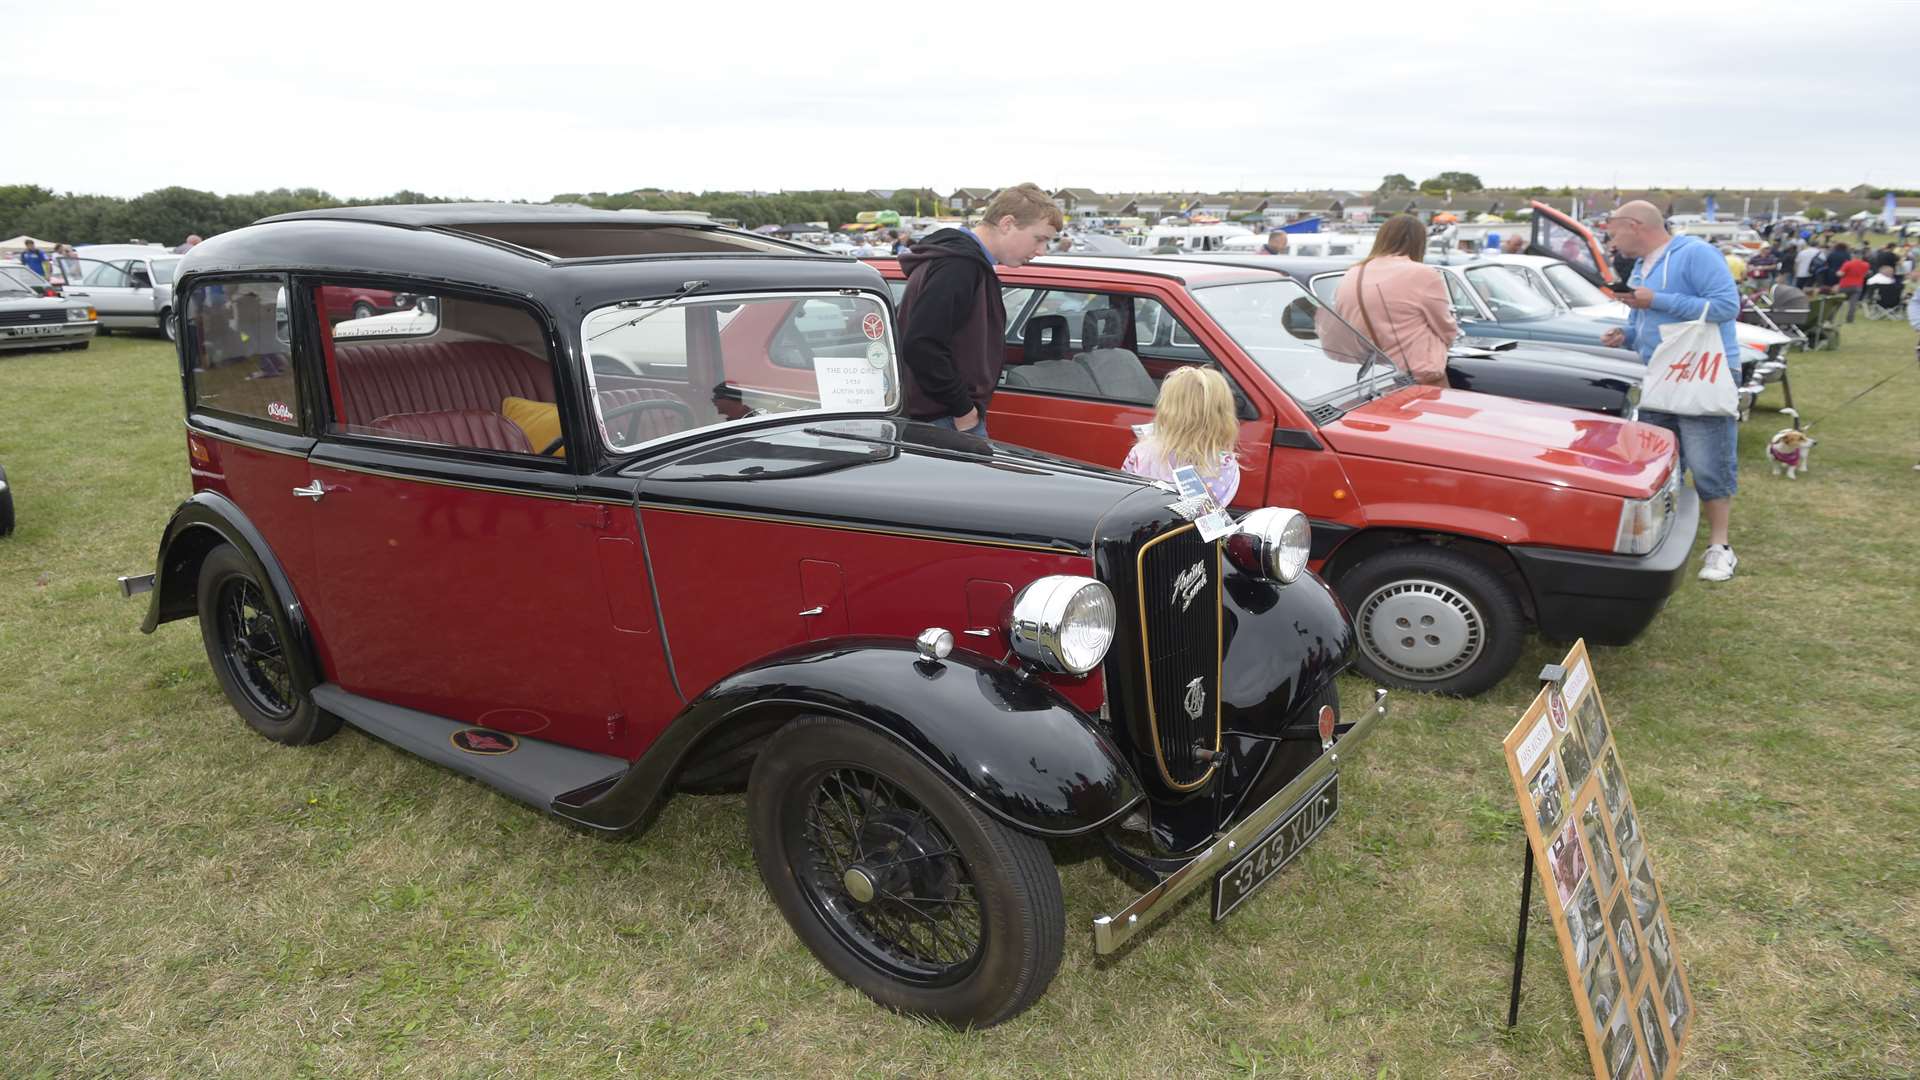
x,y
1449,521
624,506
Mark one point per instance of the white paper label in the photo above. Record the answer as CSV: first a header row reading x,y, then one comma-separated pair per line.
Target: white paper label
x,y
849,383
1529,752
1575,684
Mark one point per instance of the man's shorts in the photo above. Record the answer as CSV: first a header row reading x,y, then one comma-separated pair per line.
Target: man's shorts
x,y
1709,447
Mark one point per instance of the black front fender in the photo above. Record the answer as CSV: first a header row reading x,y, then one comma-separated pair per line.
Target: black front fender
x,y
1017,748
199,525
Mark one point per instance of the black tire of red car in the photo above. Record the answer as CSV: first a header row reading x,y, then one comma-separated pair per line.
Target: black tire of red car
x,y
6,505
362,309
1433,620
250,648
872,858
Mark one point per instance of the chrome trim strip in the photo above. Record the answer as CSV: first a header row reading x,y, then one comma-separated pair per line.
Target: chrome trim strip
x,y
1112,931
784,519
244,444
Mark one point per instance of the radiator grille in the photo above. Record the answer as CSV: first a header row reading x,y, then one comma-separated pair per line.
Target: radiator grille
x,y
1180,628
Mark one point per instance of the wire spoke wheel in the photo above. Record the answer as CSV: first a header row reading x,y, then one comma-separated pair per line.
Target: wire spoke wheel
x,y
879,870
251,647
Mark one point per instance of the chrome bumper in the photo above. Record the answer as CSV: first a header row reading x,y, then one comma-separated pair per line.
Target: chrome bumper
x,y
1112,931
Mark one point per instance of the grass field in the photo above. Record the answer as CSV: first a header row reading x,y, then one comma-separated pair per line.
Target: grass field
x,y
179,897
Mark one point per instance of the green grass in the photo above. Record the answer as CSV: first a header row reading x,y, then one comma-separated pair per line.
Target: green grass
x,y
179,897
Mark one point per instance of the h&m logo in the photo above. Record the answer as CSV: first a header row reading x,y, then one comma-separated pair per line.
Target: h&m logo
x,y
1701,366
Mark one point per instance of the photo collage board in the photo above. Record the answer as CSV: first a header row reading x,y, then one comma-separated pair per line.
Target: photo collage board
x,y
1607,906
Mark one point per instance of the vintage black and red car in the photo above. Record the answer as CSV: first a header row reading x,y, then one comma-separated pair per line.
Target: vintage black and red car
x,y
623,506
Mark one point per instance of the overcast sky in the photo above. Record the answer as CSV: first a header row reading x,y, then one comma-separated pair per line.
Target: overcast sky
x,y
530,100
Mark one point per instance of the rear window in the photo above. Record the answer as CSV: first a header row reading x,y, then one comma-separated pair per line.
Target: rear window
x,y
237,343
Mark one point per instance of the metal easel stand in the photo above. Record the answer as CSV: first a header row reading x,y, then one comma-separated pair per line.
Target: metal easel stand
x,y
1551,675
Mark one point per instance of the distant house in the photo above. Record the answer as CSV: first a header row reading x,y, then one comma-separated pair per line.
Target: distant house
x,y
1247,206
1210,206
969,199
1078,204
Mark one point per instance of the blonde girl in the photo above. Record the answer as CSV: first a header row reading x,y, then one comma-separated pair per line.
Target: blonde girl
x,y
1193,424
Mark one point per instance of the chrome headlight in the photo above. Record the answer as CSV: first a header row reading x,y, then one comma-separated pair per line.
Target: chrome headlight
x,y
1644,523
1063,623
79,314
1272,542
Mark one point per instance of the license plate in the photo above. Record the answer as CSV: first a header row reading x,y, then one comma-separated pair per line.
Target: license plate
x,y
34,331
1288,837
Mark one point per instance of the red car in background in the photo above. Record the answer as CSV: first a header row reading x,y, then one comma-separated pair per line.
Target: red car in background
x,y
1448,521
344,303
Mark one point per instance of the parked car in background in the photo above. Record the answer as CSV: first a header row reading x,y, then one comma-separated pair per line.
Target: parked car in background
x,y
6,504
352,303
631,510
30,319
130,285
24,276
1607,382
1448,521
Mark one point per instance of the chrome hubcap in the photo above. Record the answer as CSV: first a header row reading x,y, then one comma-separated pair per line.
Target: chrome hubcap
x,y
1422,630
858,885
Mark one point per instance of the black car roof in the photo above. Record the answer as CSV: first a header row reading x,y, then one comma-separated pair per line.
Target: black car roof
x,y
627,255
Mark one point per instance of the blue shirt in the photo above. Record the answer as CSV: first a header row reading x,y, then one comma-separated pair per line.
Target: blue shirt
x,y
36,261
983,247
1689,277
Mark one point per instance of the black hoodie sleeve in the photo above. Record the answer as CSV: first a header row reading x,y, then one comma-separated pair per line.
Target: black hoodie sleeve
x,y
945,302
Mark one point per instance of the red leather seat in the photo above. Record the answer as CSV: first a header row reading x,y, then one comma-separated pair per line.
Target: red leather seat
x,y
482,429
385,378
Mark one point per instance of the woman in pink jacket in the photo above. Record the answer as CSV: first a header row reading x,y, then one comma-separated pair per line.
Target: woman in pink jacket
x,y
1399,303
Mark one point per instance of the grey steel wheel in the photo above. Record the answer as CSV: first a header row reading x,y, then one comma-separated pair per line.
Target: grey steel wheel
x,y
169,326
1423,630
1433,618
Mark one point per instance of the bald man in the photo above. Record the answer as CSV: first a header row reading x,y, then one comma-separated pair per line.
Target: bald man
x,y
1674,279
1513,245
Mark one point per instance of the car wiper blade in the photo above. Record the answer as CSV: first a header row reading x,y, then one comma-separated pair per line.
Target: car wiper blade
x,y
654,307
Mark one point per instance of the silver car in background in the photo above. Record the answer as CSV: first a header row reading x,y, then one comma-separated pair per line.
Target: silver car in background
x,y
131,285
30,319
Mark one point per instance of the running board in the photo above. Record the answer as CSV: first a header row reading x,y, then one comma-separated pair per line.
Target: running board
x,y
535,772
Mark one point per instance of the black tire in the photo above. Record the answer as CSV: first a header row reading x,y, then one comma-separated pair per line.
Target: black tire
x,y
1433,620
362,310
79,346
6,505
251,651
819,784
169,329
103,331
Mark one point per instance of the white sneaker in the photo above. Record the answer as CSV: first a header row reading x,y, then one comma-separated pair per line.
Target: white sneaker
x,y
1719,563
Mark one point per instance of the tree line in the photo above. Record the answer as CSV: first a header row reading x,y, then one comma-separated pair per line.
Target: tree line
x,y
170,214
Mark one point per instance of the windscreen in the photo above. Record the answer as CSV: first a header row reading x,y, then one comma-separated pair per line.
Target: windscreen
x,y
1507,292
660,367
1576,290
1298,341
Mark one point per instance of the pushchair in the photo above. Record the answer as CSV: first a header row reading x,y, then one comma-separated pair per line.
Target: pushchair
x,y
1782,309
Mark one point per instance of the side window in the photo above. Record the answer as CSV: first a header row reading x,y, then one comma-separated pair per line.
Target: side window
x,y
1463,305
438,370
109,275
1015,300
1096,360
1327,286
241,361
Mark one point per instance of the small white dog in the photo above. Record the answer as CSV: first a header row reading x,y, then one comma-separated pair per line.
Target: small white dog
x,y
1791,449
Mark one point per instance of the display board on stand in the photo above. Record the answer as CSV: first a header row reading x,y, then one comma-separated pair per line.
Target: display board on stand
x,y
1607,905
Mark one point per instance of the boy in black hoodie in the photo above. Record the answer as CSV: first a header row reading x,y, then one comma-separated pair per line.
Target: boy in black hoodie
x,y
953,324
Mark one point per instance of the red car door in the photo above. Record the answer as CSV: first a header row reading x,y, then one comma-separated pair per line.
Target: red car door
x,y
459,575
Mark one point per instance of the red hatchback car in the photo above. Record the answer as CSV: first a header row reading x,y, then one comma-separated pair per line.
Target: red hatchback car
x,y
1447,520
624,507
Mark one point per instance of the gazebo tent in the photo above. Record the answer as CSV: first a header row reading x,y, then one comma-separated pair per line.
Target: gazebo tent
x,y
18,244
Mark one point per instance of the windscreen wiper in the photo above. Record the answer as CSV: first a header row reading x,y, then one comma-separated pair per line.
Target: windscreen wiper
x,y
654,307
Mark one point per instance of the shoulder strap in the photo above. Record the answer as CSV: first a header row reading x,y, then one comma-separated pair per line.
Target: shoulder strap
x,y
1360,297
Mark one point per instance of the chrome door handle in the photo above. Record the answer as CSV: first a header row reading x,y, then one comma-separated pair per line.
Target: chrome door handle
x,y
312,491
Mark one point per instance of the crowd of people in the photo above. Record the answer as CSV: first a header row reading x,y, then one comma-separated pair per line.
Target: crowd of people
x,y
1828,262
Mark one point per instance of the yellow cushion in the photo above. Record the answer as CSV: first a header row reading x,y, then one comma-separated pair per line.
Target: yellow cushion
x,y
539,419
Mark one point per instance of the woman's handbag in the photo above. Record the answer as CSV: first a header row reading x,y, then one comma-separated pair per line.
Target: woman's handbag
x,y
1690,373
